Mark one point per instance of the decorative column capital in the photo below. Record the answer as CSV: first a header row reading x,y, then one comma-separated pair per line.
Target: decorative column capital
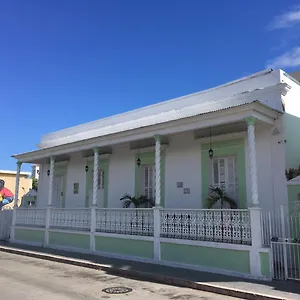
x,y
96,149
157,138
250,120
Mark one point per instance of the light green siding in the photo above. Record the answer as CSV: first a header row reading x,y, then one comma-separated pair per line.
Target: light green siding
x,y
124,246
29,235
225,259
69,239
234,147
264,264
149,159
292,146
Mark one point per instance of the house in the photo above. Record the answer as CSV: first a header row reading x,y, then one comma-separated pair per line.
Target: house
x,y
35,171
238,136
10,182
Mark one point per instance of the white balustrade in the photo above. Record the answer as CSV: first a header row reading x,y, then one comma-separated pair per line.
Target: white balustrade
x,y
227,226
125,221
31,217
70,219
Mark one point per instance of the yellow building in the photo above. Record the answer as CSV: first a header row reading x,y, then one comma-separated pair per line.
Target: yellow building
x,y
10,182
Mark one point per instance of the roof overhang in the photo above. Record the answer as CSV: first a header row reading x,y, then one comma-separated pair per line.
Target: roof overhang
x,y
254,109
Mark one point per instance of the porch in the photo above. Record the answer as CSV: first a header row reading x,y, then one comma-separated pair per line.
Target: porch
x,y
182,160
221,241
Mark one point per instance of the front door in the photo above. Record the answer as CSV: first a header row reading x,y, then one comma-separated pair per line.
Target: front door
x,y
57,200
100,192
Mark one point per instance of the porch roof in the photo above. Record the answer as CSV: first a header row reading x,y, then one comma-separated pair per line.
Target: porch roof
x,y
209,117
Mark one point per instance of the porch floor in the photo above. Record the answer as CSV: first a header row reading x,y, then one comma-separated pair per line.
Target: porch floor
x,y
221,284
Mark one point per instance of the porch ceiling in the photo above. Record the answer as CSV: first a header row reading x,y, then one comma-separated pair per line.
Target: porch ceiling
x,y
221,129
147,143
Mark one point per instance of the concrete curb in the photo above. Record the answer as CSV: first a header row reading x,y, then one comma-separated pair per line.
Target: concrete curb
x,y
145,275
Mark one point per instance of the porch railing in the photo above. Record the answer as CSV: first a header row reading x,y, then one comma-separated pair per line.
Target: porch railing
x,y
227,226
125,221
77,219
223,226
28,217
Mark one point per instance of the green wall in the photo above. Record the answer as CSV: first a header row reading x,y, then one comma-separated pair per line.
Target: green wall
x,y
231,260
234,147
265,264
124,246
69,239
149,159
29,235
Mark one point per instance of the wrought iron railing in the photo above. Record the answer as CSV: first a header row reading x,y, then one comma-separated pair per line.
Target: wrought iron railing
x,y
215,225
125,221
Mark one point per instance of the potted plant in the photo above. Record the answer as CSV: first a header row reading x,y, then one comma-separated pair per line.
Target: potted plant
x,y
137,202
218,195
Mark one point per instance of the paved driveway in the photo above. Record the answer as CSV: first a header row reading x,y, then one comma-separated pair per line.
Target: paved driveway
x,y
29,278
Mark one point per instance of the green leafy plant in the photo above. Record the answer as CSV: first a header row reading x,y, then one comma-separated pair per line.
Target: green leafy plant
x,y
292,173
217,195
34,184
137,202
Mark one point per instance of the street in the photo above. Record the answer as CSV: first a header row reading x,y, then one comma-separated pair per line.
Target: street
x,y
29,278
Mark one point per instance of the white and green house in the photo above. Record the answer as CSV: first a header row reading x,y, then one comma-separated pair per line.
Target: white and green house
x,y
164,152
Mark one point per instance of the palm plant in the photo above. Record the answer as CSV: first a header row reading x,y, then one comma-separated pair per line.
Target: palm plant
x,y
292,173
217,195
136,201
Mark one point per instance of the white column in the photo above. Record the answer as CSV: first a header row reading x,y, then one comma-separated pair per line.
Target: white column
x,y
157,172
51,177
252,162
156,212
50,197
19,164
95,177
256,235
16,196
157,222
94,202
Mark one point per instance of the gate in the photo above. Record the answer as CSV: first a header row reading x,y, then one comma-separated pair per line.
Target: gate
x,y
281,232
5,224
285,258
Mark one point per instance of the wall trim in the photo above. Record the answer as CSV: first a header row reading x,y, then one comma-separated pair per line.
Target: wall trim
x,y
124,236
226,246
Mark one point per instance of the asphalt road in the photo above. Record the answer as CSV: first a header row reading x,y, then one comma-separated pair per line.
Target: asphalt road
x,y
29,278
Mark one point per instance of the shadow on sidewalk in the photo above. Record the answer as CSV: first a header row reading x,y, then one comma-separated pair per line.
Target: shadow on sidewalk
x,y
274,287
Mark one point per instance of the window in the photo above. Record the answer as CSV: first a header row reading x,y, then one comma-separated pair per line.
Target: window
x,y
101,180
224,175
148,184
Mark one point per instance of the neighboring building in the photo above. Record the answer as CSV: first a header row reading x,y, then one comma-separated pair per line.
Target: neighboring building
x,y
239,136
10,182
35,171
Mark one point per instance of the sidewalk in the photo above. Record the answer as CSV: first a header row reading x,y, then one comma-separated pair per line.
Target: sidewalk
x,y
220,284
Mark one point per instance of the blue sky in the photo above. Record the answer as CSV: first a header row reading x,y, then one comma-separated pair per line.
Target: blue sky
x,y
66,62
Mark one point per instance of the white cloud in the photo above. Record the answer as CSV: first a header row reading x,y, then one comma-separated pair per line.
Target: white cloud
x,y
288,59
286,20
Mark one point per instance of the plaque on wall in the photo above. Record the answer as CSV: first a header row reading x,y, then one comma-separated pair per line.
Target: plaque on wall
x,y
76,188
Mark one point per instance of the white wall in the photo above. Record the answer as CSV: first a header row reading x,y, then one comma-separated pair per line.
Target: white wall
x,y
121,175
270,168
182,164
